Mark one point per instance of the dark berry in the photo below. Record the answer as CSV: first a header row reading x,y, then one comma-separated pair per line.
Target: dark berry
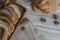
x,y
43,20
55,16
56,22
22,28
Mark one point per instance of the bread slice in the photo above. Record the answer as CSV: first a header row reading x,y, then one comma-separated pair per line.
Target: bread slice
x,y
16,9
6,13
8,20
14,14
5,25
5,16
11,12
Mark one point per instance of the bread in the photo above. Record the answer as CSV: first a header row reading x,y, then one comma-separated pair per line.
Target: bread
x,y
13,14
6,13
5,18
45,6
4,24
10,15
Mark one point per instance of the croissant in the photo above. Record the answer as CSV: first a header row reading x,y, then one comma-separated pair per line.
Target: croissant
x,y
10,14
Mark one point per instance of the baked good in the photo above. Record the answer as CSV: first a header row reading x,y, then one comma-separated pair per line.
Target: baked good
x,y
45,6
10,15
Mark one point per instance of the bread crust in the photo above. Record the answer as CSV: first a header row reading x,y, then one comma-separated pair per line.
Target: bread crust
x,y
13,17
45,6
41,5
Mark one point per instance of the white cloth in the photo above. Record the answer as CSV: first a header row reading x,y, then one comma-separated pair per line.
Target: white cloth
x,y
36,31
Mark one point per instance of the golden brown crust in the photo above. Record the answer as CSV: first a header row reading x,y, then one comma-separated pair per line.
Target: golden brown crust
x,y
10,25
5,15
42,5
13,15
45,6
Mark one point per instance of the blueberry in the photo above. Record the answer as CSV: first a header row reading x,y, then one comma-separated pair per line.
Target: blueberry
x,y
22,28
43,20
56,22
55,16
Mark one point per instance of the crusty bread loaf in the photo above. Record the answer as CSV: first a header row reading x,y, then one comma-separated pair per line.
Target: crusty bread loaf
x,y
10,15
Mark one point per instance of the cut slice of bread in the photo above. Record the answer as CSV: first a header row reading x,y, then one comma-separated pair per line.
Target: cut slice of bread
x,y
5,12
8,20
14,14
10,16
5,25
16,10
5,16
